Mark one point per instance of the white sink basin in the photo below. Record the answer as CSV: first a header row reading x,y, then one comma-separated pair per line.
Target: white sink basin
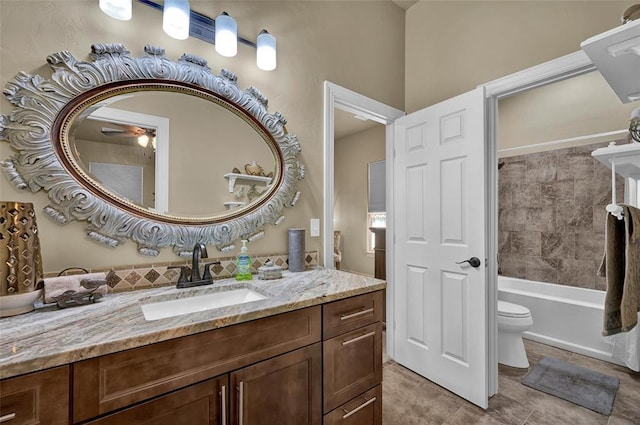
x,y
176,307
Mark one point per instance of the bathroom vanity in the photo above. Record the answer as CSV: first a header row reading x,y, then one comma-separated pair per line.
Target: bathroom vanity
x,y
310,353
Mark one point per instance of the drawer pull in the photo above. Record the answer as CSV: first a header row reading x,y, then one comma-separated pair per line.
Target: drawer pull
x,y
8,417
358,338
240,402
223,400
362,406
356,314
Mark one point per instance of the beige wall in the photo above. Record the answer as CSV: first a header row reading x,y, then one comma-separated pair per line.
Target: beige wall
x,y
556,113
453,46
337,41
352,156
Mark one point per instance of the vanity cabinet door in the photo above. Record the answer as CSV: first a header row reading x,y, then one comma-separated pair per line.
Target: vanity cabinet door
x,y
363,410
285,390
352,364
40,398
205,403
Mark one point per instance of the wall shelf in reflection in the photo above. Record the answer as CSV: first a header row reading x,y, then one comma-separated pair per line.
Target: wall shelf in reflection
x,y
232,205
626,158
247,179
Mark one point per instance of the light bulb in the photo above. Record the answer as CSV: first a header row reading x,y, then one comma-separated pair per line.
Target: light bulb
x,y
226,36
118,9
143,140
266,54
175,18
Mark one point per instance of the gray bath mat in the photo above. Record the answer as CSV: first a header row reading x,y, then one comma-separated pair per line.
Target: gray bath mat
x,y
576,384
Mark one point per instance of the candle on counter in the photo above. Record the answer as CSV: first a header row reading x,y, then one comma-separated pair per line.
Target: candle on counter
x,y
296,250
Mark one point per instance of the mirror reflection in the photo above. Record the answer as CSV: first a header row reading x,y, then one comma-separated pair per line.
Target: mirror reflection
x,y
169,152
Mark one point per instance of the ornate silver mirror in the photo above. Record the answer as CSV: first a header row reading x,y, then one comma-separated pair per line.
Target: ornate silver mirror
x,y
161,152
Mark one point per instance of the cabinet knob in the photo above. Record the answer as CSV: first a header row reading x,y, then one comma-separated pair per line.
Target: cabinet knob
x,y
362,406
223,401
7,418
240,403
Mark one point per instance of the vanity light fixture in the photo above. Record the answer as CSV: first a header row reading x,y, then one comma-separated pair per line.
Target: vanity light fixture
x,y
266,55
175,18
180,22
118,9
143,140
226,35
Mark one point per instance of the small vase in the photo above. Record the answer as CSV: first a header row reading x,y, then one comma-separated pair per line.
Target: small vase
x,y
296,250
20,258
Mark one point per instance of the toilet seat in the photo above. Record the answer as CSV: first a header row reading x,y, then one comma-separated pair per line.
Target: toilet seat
x,y
507,309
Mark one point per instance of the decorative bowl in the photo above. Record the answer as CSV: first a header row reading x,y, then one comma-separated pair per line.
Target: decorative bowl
x,y
11,305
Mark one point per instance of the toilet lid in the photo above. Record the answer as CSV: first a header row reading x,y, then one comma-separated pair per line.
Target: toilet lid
x,y
507,309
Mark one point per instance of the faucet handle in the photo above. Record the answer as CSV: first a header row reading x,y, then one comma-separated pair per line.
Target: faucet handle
x,y
183,273
207,272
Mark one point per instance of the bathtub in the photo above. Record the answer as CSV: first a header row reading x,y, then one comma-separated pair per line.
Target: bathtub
x,y
563,316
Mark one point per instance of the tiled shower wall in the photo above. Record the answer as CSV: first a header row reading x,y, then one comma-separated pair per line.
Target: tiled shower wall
x,y
552,216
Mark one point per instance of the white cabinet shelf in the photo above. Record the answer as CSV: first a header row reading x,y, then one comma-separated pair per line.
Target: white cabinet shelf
x,y
616,54
626,158
245,179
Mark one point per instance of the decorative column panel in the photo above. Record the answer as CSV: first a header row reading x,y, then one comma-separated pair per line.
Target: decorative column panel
x,y
20,258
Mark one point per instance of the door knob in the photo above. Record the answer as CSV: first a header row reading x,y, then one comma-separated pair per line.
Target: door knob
x,y
473,262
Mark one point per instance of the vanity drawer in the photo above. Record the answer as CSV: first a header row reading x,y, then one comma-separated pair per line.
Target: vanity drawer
x,y
114,381
40,398
351,313
352,364
200,404
362,410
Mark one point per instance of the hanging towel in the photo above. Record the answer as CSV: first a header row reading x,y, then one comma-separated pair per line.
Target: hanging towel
x,y
621,267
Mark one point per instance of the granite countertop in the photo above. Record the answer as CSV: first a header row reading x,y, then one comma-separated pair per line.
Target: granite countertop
x,y
49,336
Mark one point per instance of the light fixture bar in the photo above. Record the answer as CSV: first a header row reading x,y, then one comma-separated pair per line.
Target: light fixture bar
x,y
201,26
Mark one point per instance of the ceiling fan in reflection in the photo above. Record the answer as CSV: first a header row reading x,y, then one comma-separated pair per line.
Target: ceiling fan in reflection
x,y
144,135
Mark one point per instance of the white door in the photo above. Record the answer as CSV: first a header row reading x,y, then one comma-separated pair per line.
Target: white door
x,y
439,203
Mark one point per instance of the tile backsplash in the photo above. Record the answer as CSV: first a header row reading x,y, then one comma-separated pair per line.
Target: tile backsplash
x,y
552,216
143,276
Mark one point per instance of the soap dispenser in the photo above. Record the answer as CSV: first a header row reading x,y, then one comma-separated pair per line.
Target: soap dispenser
x,y
243,263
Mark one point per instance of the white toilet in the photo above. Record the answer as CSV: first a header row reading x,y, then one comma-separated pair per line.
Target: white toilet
x,y
513,320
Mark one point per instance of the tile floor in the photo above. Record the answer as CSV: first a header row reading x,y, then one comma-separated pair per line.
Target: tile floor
x,y
409,399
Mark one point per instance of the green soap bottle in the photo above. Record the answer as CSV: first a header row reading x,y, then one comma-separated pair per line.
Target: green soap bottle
x,y
243,263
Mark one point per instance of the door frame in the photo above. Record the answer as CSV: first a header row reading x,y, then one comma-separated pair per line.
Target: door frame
x,y
161,124
558,69
339,97
335,96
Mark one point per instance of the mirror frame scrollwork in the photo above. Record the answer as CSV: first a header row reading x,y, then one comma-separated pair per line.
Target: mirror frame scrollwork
x,y
36,127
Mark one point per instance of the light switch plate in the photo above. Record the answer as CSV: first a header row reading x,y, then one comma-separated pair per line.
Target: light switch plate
x,y
315,227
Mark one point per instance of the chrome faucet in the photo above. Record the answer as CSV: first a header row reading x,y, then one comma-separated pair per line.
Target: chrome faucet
x,y
199,250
